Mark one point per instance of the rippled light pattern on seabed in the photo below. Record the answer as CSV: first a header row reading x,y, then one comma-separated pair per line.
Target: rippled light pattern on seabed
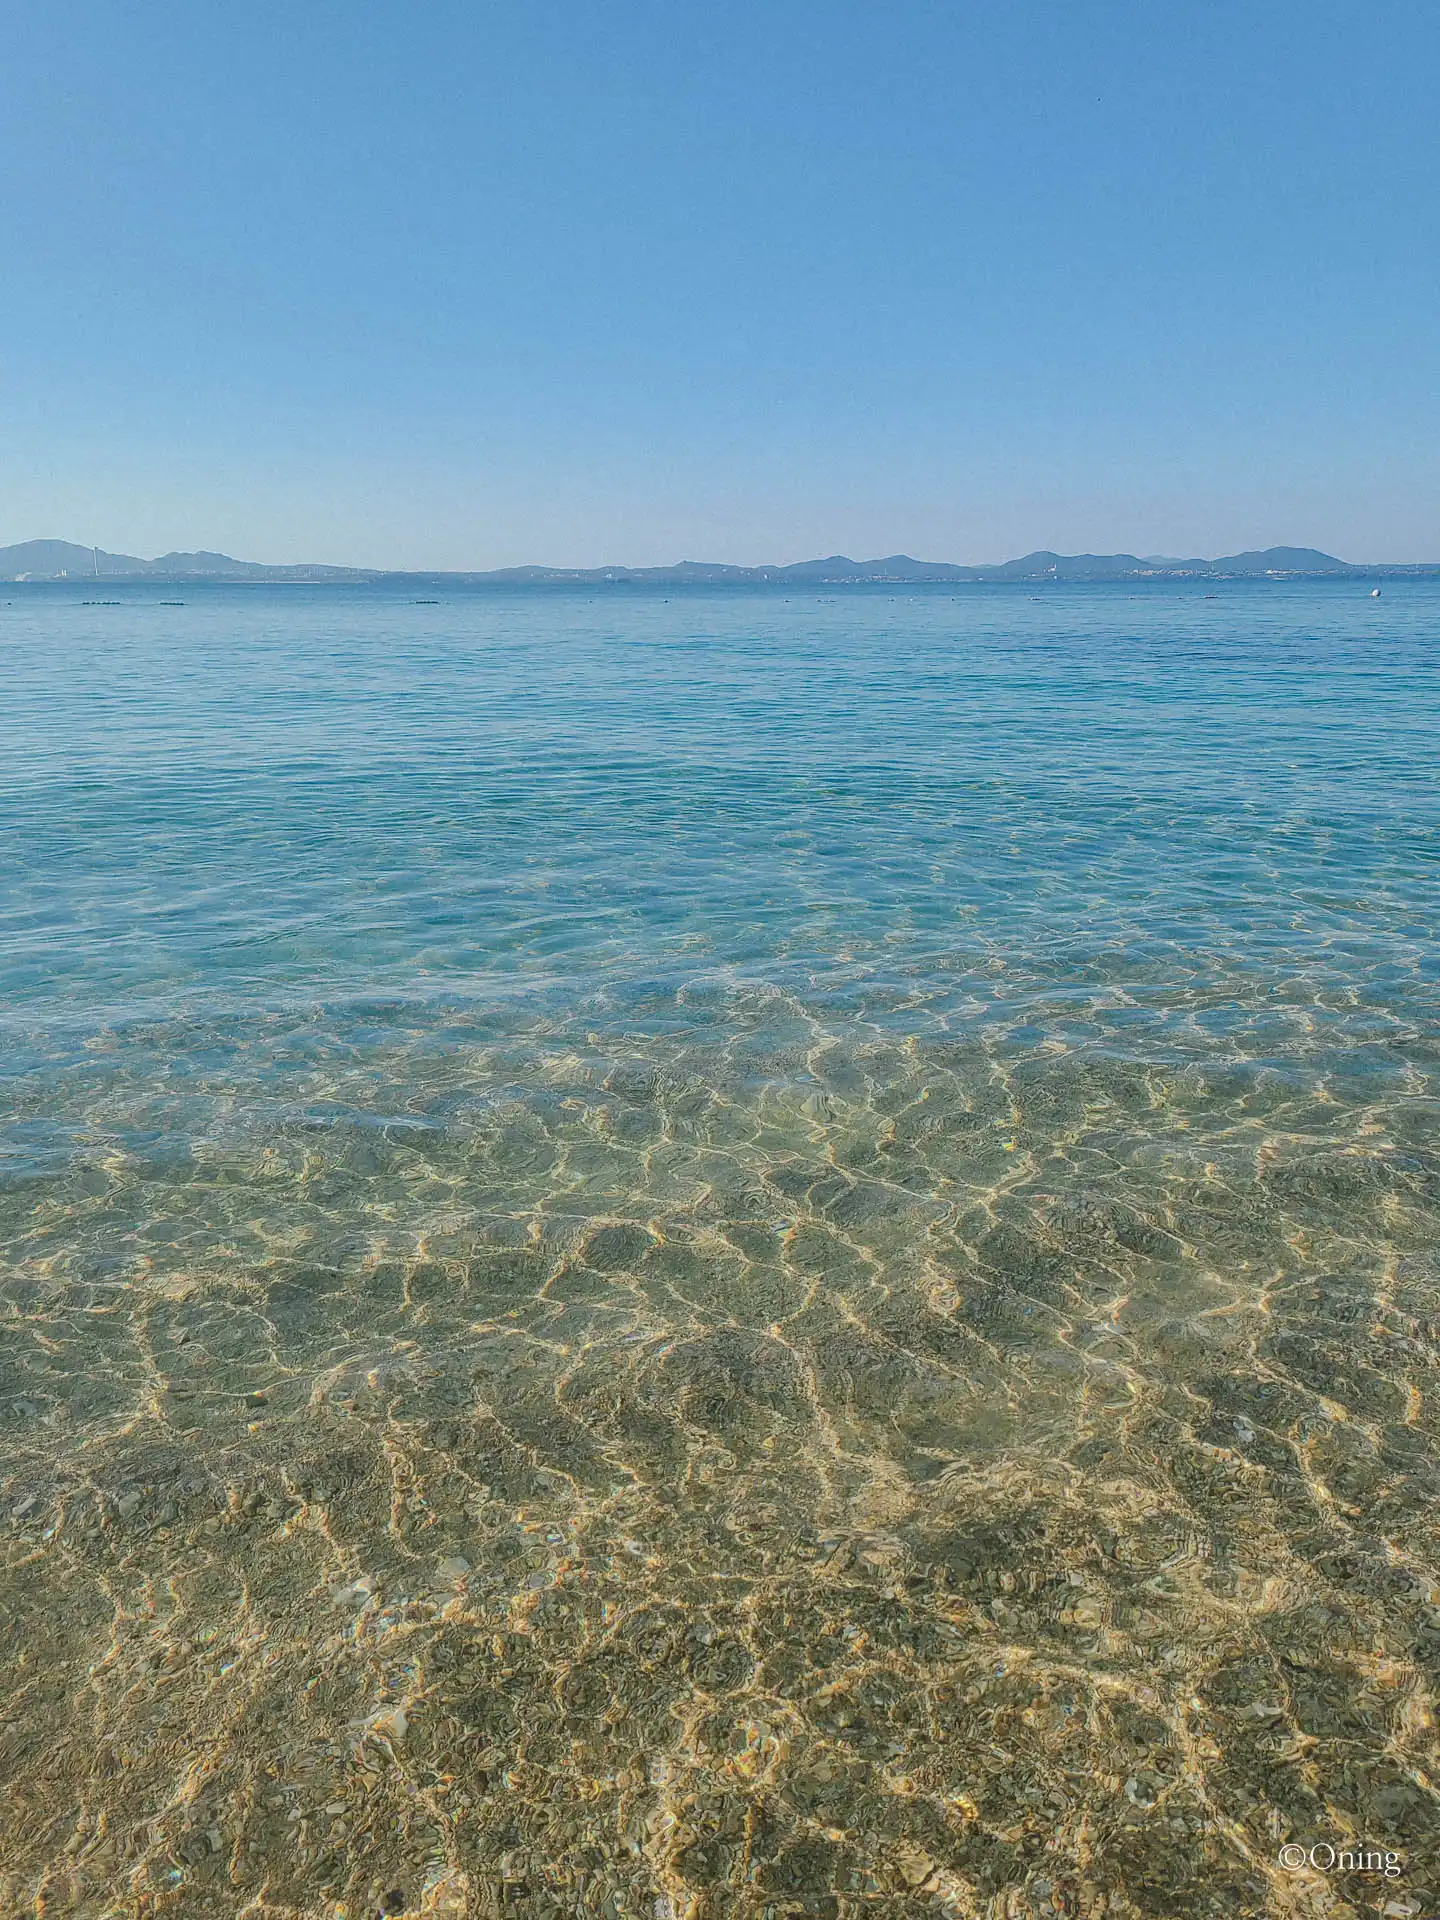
x,y
725,1256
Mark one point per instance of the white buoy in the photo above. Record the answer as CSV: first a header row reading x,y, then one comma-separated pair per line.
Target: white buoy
x,y
1374,593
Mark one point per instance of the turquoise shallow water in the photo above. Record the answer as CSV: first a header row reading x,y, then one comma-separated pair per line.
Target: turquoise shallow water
x,y
803,1230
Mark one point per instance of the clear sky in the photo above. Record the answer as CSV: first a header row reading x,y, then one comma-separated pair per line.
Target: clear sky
x,y
453,283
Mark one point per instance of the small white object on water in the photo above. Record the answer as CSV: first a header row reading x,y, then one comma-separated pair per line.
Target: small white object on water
x,y
1374,593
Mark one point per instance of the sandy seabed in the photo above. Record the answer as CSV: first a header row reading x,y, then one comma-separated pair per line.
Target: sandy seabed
x,y
894,1478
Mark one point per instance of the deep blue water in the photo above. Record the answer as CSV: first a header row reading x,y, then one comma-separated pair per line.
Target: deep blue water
x,y
273,799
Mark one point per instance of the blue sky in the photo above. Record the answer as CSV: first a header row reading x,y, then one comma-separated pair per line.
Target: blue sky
x,y
467,284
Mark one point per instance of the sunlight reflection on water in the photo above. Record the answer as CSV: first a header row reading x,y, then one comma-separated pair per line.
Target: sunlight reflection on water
x,y
778,1256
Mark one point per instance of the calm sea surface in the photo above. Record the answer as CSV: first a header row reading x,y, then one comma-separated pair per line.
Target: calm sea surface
x,y
725,1255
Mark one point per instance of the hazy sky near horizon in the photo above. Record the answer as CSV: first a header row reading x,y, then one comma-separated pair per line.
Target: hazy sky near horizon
x,y
450,284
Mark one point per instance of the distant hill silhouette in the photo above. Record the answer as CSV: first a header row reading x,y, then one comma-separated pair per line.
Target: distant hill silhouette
x,y
63,559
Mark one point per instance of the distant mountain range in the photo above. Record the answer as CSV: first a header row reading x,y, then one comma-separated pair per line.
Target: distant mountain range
x,y
62,560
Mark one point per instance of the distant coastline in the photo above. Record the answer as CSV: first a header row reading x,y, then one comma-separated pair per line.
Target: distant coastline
x,y
64,560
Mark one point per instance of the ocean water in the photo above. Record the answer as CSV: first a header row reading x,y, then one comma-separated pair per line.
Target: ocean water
x,y
725,1255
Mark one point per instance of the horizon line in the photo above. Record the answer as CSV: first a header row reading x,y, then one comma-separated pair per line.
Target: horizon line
x,y
55,559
